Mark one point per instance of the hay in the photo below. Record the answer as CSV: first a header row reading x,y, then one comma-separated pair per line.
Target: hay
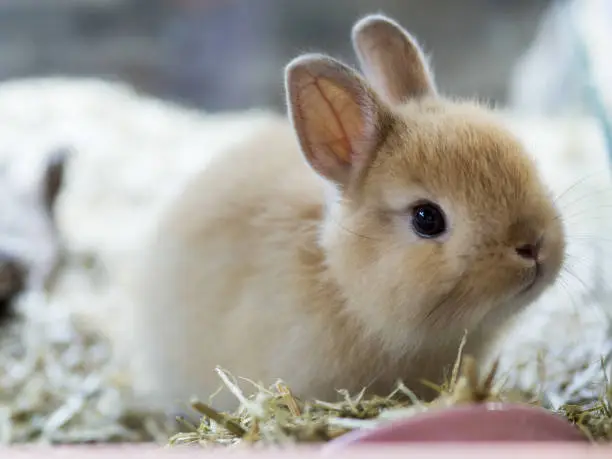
x,y
56,387
273,416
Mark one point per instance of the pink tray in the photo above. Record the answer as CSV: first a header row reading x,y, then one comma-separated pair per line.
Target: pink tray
x,y
491,422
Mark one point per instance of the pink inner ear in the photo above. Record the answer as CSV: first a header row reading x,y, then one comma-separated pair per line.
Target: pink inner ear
x,y
333,115
333,120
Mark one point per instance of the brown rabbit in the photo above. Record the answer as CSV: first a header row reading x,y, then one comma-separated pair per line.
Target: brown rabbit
x,y
349,247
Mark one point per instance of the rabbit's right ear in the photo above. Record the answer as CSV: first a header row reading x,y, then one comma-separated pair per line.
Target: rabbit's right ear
x,y
392,59
339,120
53,177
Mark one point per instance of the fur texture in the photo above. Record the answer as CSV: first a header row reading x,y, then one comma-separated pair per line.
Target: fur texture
x,y
29,243
293,254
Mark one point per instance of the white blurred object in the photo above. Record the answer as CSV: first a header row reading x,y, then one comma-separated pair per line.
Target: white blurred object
x,y
562,89
551,76
543,80
130,153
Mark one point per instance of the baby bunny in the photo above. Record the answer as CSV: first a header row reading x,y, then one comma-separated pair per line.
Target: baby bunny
x,y
29,241
349,247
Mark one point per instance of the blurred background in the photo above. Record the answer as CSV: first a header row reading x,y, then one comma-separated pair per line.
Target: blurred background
x,y
229,54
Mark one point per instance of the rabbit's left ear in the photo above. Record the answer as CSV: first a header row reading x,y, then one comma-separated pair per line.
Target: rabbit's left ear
x,y
392,59
339,120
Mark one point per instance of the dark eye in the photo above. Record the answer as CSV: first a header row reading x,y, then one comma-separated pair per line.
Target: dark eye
x,y
428,220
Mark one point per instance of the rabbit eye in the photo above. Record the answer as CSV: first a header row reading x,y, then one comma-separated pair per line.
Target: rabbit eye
x,y
428,220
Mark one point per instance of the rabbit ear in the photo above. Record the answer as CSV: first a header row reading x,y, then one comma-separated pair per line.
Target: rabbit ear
x,y
338,119
53,177
392,59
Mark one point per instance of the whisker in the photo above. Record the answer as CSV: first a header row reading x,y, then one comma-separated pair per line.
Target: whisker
x,y
588,237
578,258
344,228
565,287
598,211
600,195
592,293
593,189
569,271
590,218
575,184
582,212
440,304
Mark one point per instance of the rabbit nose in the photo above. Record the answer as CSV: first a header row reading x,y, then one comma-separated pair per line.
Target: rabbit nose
x,y
12,276
529,251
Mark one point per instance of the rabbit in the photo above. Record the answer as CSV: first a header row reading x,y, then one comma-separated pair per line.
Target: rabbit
x,y
347,245
30,246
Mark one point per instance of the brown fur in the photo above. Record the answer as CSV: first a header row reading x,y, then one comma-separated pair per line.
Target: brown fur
x,y
274,269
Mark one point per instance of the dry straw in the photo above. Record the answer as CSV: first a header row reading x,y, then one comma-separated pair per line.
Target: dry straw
x,y
273,416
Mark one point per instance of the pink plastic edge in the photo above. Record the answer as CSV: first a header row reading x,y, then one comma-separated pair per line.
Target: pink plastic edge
x,y
449,450
556,424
